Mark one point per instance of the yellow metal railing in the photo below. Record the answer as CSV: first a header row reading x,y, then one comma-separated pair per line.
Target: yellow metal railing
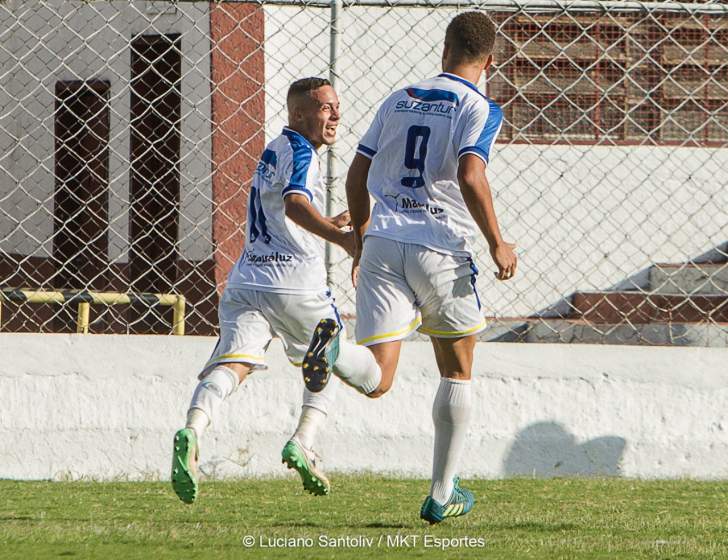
x,y
85,299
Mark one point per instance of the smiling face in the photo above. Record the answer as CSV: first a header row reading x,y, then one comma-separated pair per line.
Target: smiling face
x,y
316,115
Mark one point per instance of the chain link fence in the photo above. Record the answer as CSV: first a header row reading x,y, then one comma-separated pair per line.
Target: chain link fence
x,y
129,133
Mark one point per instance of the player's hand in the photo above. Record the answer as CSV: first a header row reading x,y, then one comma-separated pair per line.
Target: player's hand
x,y
347,242
355,268
341,220
505,259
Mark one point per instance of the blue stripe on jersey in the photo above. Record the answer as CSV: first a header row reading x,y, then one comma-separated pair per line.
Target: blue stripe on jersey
x,y
336,310
471,85
258,223
297,137
366,151
256,215
485,141
432,95
261,218
252,216
301,162
473,279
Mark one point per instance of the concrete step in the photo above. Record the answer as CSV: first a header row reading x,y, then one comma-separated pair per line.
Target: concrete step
x,y
570,331
690,279
637,307
649,334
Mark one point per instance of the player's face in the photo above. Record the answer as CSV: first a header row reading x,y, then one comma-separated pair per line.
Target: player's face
x,y
322,116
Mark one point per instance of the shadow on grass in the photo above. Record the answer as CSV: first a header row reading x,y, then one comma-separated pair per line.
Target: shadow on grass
x,y
295,524
536,526
309,524
380,525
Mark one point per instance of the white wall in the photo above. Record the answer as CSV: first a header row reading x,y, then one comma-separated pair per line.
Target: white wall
x,y
45,43
107,406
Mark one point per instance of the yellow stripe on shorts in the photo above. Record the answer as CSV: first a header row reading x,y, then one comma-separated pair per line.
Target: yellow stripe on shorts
x,y
404,331
241,357
453,333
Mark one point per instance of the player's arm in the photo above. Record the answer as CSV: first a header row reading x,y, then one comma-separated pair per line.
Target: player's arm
x,y
476,193
357,194
300,210
357,197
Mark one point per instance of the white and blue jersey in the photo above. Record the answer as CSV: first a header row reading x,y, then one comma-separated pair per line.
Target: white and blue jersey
x,y
280,256
415,141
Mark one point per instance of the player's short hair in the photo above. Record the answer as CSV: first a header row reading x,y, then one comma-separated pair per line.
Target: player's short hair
x,y
305,86
471,35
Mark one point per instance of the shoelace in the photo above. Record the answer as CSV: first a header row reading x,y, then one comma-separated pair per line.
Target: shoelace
x,y
460,495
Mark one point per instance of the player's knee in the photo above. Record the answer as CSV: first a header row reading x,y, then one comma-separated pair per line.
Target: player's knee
x,y
383,388
239,370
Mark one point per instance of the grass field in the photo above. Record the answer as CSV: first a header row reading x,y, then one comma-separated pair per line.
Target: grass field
x,y
514,519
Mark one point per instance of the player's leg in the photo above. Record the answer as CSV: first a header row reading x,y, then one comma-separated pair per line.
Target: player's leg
x,y
219,383
445,286
244,336
314,413
293,318
386,357
216,384
299,451
364,369
386,314
451,416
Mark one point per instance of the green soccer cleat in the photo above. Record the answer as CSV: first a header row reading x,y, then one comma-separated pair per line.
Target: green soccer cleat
x,y
184,465
303,461
321,355
461,502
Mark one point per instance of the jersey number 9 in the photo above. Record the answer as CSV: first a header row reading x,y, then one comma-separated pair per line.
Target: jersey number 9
x,y
415,154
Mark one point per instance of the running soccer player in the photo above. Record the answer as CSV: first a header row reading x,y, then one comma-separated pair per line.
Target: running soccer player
x,y
277,286
423,160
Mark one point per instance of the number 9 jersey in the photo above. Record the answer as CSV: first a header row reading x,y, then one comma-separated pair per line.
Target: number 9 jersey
x,y
415,141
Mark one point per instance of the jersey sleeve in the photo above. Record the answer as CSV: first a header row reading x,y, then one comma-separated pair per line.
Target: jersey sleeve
x,y
479,130
369,143
297,173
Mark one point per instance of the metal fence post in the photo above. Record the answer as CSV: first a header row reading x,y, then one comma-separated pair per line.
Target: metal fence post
x,y
336,6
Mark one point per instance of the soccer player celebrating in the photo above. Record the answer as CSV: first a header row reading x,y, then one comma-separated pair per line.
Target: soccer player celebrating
x,y
423,160
278,284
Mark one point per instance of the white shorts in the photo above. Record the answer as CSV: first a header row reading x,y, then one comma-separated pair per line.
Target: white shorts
x,y
249,319
403,287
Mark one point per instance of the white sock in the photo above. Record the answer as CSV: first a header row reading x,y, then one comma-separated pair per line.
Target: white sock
x,y
451,415
310,421
198,421
314,411
209,394
357,367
